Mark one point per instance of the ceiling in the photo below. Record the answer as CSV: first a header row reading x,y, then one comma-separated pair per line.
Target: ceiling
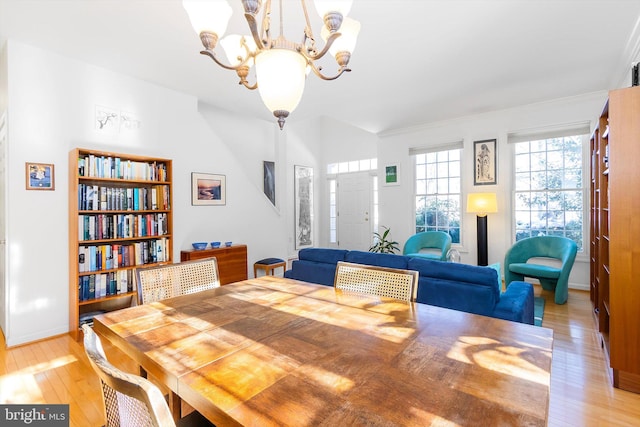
x,y
416,61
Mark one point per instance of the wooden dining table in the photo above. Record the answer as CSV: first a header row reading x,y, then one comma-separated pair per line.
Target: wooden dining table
x,y
280,352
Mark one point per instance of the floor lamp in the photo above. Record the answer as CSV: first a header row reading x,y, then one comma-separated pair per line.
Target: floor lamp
x,y
481,204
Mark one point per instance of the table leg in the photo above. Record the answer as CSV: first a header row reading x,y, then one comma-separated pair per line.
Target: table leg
x,y
175,405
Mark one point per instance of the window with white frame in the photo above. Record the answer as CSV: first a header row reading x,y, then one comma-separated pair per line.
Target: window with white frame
x,y
549,194
333,211
437,190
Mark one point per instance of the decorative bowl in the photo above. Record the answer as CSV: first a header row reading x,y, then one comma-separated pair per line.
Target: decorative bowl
x,y
227,243
215,244
199,245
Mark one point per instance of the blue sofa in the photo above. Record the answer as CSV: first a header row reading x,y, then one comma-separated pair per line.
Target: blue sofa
x,y
456,286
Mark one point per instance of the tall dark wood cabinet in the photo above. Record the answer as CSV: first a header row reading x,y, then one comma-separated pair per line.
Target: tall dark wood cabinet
x,y
615,234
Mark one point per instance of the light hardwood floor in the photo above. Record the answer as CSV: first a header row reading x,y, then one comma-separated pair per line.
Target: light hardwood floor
x,y
56,371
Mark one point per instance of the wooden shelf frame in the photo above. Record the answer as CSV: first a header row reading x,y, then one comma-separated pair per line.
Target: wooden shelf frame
x,y
78,307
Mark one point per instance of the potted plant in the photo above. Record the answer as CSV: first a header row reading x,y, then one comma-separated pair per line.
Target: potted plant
x,y
383,243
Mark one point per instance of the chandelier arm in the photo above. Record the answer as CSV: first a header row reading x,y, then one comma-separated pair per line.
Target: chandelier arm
x,y
245,83
324,50
212,55
318,73
253,26
308,32
265,31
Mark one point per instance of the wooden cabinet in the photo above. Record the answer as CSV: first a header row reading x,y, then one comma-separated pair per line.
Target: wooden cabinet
x,y
615,234
232,261
119,217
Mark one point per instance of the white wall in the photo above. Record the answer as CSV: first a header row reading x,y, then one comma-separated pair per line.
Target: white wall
x,y
51,107
397,204
3,188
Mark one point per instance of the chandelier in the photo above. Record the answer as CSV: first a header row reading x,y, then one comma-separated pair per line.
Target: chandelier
x,y
281,66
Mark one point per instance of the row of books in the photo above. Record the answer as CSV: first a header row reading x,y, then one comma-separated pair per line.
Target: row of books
x,y
121,226
102,198
108,257
115,167
106,284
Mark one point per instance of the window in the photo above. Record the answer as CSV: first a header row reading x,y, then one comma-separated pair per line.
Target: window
x,y
549,195
438,205
333,212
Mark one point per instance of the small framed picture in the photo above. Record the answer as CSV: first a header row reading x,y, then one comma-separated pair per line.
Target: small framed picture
x,y
208,189
484,155
392,174
269,180
40,176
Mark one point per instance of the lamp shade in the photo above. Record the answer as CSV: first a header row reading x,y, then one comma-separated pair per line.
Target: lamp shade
x,y
482,203
348,36
208,15
325,6
281,75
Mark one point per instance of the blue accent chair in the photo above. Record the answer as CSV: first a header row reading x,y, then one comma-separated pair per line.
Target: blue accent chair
x,y
433,244
516,267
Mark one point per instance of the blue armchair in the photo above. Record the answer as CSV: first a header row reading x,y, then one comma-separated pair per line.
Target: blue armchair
x,y
516,267
428,244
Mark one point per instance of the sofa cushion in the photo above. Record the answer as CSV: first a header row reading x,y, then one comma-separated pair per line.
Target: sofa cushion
x,y
312,271
374,258
460,273
456,295
326,255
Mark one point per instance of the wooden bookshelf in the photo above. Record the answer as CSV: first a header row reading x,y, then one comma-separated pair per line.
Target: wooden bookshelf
x,y
120,217
615,235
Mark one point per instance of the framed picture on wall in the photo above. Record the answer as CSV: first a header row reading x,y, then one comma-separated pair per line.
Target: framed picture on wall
x,y
303,201
208,189
484,156
392,174
39,176
269,180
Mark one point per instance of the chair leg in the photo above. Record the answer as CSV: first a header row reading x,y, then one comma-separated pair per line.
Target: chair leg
x,y
548,284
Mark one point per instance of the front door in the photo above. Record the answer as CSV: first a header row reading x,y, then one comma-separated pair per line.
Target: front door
x,y
355,195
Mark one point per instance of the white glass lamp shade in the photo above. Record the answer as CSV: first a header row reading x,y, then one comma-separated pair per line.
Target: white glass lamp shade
x,y
482,203
348,36
233,48
325,6
281,75
208,15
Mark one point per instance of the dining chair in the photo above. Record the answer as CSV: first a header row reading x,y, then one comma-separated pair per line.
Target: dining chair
x,y
380,281
171,280
130,400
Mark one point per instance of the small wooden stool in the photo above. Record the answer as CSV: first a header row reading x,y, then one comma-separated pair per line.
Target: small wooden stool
x,y
268,265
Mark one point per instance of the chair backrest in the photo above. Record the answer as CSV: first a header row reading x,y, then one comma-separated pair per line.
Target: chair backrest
x,y
128,399
436,240
558,247
171,280
380,281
